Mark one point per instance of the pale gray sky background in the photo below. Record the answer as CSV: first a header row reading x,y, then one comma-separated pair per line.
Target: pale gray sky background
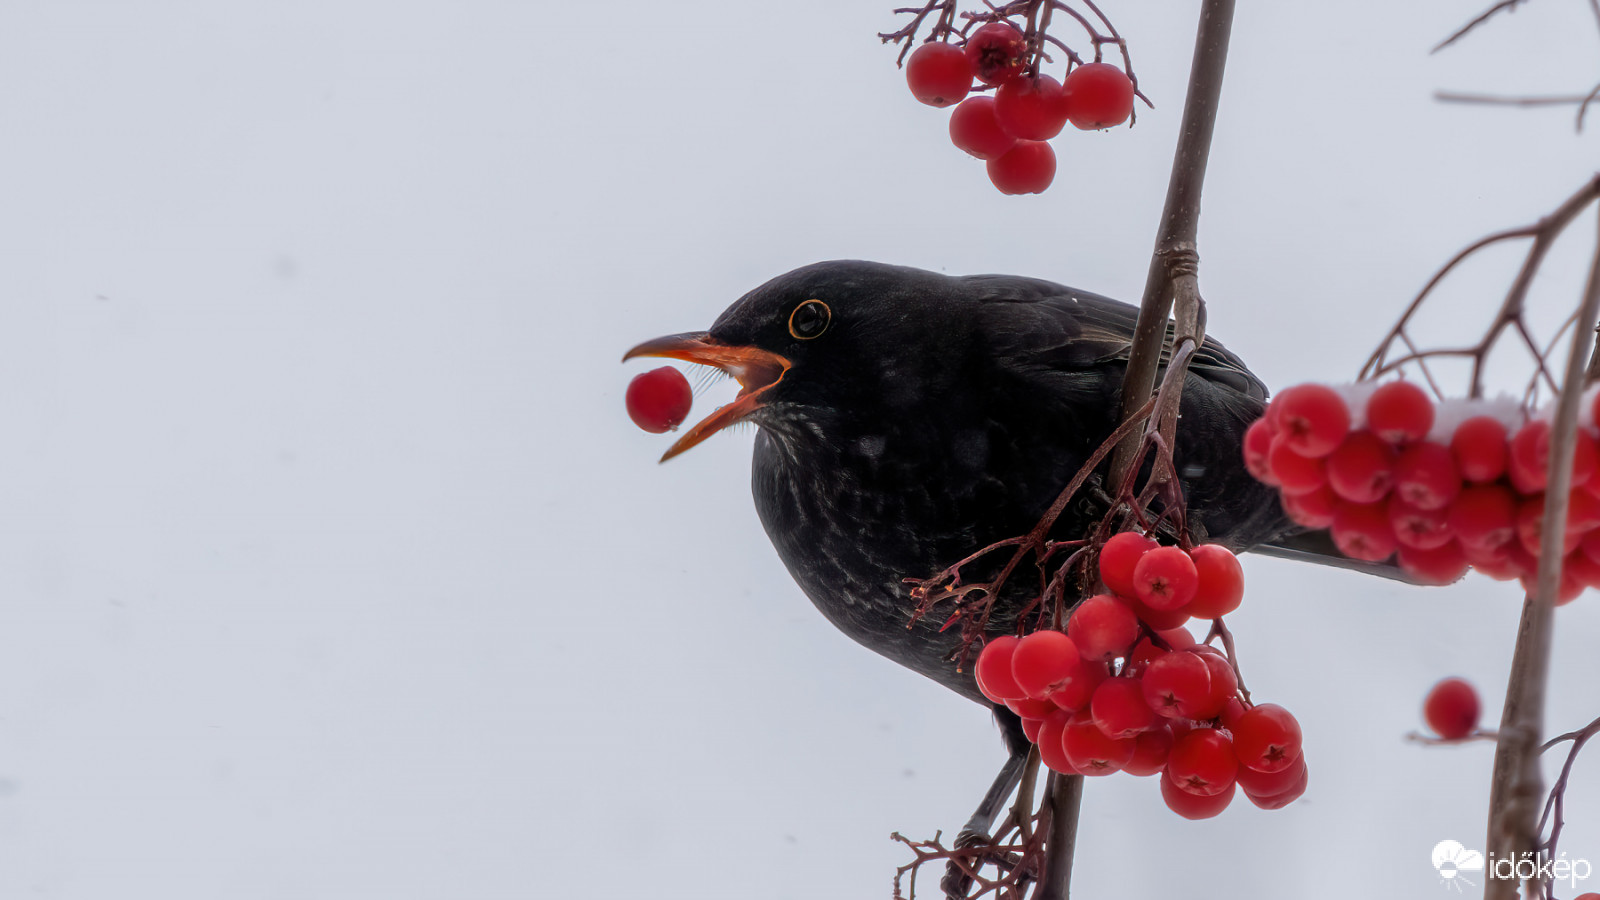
x,y
331,567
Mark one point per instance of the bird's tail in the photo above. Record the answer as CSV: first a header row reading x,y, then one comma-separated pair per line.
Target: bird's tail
x,y
1317,547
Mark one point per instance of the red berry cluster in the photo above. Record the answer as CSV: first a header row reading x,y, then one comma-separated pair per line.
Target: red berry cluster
x,y
1010,130
1170,705
659,400
1444,488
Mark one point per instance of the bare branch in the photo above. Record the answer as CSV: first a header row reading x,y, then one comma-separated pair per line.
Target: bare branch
x,y
1500,100
1176,237
1556,804
1543,235
1516,781
1486,15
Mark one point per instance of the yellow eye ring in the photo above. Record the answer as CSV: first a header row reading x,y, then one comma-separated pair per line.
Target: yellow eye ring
x,y
810,319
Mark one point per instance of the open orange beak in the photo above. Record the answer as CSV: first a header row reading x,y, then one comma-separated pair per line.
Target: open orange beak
x,y
755,369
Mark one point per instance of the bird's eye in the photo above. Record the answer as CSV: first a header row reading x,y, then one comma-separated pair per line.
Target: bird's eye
x,y
810,319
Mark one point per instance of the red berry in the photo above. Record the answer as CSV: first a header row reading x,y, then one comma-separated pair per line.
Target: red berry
x,y
1031,108
1291,788
1421,529
1177,638
1484,515
1425,475
1119,710
1099,95
939,74
1194,806
1150,750
1091,752
1030,728
1452,708
1313,509
1530,458
1224,683
1582,569
1027,168
1177,685
1362,531
997,53
1147,652
1074,694
1585,459
1221,582
1157,619
993,670
1362,469
1499,563
974,128
1029,708
1399,412
1267,738
1479,448
1530,527
1434,565
659,400
1102,628
1567,590
1203,762
1591,545
1118,558
1051,750
1311,419
1268,784
1165,579
1295,474
1257,444
1044,661
1231,710
1583,512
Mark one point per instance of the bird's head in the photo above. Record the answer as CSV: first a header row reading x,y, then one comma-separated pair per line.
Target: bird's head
x,y
824,343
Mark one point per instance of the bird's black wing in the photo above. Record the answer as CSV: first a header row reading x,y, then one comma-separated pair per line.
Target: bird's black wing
x,y
1075,345
1048,327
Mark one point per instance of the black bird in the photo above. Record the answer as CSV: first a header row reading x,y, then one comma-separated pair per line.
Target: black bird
x,y
908,418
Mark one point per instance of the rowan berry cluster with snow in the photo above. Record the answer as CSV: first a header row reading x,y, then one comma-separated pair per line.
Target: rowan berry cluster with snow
x,y
1440,487
1011,130
1126,688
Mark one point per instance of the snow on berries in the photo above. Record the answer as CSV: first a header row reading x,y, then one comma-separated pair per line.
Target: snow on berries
x,y
1437,487
1126,689
659,400
1010,129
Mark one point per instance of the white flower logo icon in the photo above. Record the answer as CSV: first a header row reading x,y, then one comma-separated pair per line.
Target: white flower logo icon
x,y
1453,860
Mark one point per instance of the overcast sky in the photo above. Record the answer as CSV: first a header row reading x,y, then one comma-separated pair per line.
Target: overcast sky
x,y
332,568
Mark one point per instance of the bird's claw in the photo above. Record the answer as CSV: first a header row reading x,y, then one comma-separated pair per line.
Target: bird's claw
x,y
956,882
